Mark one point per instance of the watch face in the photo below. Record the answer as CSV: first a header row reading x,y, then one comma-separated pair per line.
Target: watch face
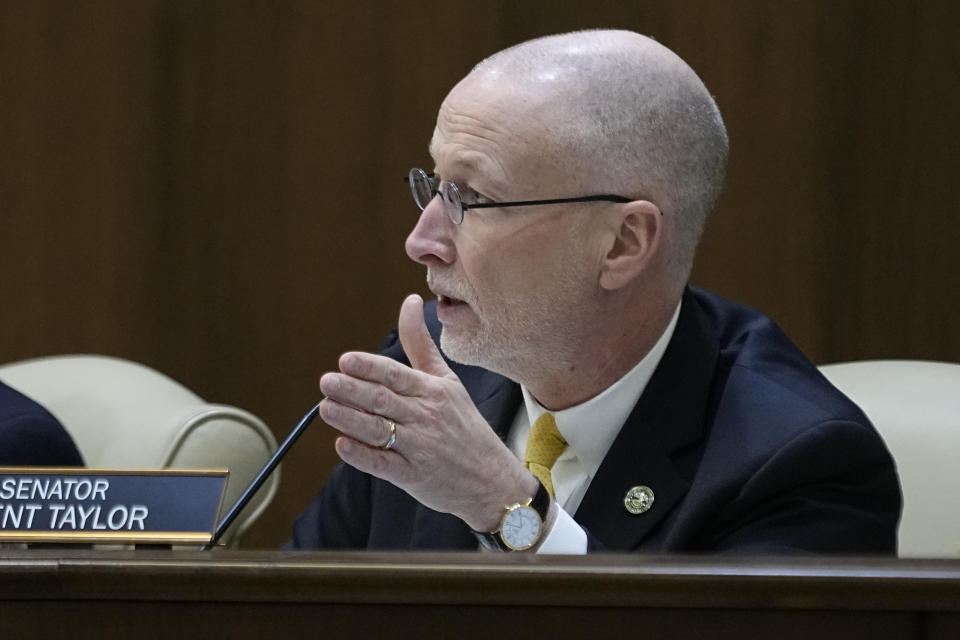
x,y
521,528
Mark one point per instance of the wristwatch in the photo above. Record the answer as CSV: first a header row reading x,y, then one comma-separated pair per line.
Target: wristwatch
x,y
521,526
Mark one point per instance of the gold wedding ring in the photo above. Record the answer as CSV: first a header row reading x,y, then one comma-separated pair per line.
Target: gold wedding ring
x,y
391,440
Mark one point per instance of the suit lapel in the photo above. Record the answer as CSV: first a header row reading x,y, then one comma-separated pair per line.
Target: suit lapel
x,y
498,403
669,417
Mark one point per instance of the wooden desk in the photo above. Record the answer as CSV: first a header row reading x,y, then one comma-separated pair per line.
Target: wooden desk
x,y
74,594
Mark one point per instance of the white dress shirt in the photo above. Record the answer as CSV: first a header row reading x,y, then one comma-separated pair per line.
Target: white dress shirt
x,y
590,429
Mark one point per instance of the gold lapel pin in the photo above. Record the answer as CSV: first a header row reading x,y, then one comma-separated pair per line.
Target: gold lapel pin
x,y
639,499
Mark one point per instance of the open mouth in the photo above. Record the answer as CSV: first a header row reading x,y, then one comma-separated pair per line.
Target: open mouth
x,y
447,301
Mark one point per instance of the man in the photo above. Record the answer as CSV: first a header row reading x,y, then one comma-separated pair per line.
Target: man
x,y
30,436
675,421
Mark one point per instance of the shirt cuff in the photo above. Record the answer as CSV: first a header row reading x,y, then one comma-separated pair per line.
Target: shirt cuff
x,y
565,536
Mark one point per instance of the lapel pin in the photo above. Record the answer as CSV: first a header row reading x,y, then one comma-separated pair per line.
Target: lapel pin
x,y
638,499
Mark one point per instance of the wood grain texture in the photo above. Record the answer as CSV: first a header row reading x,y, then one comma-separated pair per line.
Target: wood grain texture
x,y
470,595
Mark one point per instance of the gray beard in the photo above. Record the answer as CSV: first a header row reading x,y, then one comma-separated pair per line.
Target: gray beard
x,y
521,346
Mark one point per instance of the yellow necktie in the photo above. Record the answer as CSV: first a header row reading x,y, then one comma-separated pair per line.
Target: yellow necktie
x,y
544,446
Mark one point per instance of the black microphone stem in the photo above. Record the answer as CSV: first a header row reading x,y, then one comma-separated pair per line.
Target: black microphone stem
x,y
261,477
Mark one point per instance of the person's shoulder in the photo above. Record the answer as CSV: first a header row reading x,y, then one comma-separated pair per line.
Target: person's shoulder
x,y
30,435
761,362
15,407
735,323
778,426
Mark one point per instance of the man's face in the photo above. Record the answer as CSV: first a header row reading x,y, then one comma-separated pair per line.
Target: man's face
x,y
516,287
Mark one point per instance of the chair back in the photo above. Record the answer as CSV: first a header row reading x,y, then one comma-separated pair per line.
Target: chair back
x,y
915,405
124,415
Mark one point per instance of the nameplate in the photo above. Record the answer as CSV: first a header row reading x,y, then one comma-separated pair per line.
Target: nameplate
x,y
169,506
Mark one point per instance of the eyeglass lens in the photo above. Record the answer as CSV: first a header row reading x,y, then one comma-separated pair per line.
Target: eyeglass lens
x,y
423,190
451,200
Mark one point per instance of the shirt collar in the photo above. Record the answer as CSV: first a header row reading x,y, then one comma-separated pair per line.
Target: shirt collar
x,y
591,427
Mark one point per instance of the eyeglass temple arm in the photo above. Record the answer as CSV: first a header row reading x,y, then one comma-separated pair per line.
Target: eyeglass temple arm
x,y
533,203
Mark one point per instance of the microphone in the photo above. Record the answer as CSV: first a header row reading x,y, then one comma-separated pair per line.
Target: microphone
x,y
265,472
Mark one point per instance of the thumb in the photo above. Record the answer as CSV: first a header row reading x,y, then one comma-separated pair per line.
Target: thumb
x,y
415,338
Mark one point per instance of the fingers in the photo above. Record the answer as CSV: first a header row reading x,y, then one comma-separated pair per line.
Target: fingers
x,y
380,385
416,340
378,462
371,430
366,396
370,391
382,371
424,357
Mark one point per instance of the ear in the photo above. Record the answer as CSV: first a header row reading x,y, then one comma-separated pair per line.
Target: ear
x,y
636,240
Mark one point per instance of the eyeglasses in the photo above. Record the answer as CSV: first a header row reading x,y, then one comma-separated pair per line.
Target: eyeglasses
x,y
425,186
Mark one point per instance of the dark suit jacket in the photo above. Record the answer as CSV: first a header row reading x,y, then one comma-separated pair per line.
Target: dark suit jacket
x,y
745,445
30,436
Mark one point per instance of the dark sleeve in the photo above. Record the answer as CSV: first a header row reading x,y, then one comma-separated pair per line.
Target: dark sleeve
x,y
35,438
832,489
339,516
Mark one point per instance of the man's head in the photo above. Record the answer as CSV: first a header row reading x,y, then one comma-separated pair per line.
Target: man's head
x,y
595,112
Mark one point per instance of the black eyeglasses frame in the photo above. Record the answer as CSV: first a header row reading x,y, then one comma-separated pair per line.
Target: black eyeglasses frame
x,y
496,205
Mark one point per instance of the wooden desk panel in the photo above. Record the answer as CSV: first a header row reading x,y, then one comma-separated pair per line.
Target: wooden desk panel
x,y
369,595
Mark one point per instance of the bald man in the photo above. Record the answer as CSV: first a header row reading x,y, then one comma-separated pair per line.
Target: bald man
x,y
567,391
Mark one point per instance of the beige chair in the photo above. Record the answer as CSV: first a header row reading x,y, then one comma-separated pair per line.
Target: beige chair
x,y
915,405
124,415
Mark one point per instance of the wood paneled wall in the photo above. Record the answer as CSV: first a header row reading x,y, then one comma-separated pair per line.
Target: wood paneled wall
x,y
214,188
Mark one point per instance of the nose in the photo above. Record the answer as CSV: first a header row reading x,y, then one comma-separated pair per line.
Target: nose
x,y
431,240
